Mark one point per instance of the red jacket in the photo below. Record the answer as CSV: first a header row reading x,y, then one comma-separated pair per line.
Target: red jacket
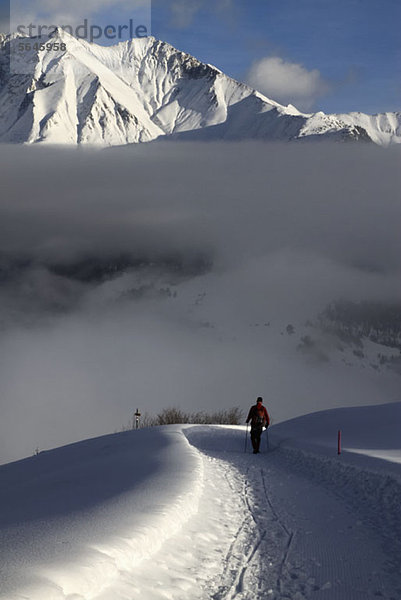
x,y
255,414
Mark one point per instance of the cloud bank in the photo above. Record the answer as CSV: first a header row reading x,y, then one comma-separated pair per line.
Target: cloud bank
x,y
165,274
287,82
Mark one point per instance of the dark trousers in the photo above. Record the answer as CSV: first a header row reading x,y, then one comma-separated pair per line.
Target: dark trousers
x,y
256,432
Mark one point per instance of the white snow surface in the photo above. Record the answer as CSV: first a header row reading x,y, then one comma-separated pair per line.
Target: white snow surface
x,y
145,89
184,512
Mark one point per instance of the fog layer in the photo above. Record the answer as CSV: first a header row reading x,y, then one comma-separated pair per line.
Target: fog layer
x,y
165,274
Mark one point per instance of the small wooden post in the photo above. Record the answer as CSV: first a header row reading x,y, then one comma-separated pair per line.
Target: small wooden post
x,y
339,442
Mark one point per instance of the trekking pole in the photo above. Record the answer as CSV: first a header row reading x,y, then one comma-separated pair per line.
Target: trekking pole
x,y
246,437
267,440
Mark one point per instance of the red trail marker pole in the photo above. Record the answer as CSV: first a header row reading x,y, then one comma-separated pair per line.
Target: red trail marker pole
x,y
339,442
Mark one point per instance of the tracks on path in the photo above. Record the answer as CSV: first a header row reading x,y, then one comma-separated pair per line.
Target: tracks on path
x,y
257,565
290,535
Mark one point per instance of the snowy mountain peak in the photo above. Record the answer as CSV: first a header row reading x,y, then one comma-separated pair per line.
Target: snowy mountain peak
x,y
144,89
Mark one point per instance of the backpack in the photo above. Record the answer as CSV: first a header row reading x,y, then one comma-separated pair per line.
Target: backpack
x,y
259,419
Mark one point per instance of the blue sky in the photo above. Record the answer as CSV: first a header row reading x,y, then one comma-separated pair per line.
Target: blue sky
x,y
354,44
335,56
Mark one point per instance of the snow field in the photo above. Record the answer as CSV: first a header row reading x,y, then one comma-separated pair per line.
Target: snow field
x,y
81,525
189,565
182,512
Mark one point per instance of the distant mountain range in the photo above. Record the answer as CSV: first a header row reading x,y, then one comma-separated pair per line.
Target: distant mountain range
x,y
145,89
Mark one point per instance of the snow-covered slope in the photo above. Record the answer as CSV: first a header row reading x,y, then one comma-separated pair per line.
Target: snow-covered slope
x,y
183,512
73,518
143,89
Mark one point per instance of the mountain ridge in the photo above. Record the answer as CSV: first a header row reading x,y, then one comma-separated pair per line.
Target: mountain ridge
x,y
145,89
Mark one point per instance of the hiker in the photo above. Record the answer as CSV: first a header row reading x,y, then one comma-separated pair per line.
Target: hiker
x,y
259,418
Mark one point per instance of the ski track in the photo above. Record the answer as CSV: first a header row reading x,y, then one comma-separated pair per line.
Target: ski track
x,y
260,569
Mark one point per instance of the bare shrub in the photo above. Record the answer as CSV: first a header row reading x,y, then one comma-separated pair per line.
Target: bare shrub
x,y
172,416
176,416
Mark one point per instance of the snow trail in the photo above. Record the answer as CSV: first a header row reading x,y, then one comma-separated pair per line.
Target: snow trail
x,y
302,540
267,526
185,514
